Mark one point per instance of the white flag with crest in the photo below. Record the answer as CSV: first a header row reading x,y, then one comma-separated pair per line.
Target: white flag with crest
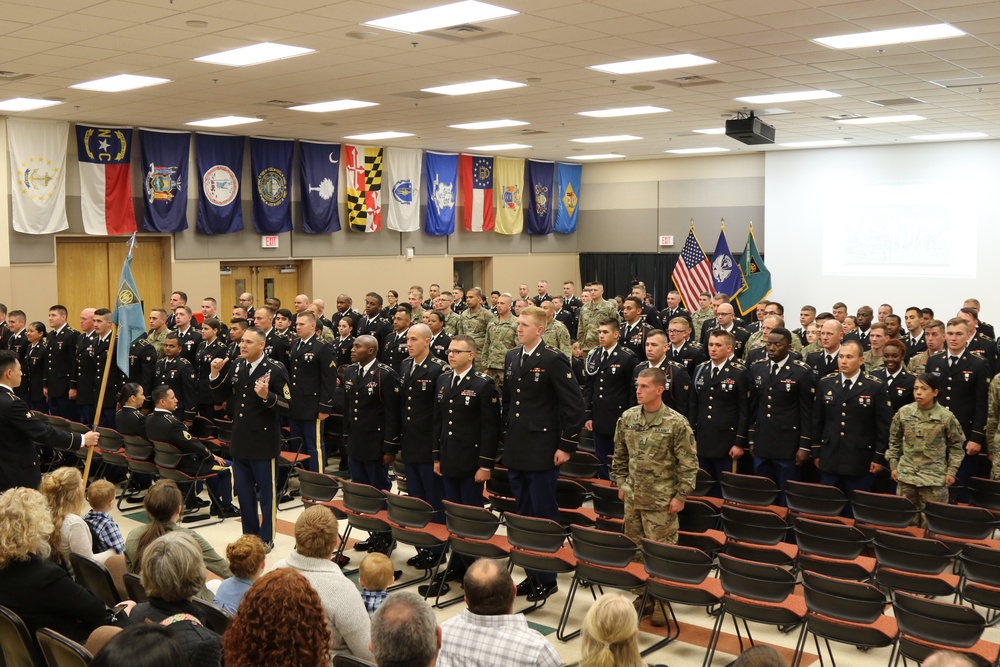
x,y
37,150
401,188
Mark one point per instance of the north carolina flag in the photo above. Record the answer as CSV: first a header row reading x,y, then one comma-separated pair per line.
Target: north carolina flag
x,y
509,194
364,188
477,191
105,179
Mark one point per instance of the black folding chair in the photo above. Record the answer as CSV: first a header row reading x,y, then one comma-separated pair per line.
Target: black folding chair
x,y
15,641
95,578
540,545
927,626
217,618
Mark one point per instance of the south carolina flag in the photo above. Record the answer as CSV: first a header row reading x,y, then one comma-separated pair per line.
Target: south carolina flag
x,y
105,179
477,191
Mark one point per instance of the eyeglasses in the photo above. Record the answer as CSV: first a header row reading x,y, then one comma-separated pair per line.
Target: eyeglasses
x,y
459,351
676,331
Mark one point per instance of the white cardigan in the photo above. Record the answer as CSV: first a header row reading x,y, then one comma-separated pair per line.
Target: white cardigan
x,y
76,538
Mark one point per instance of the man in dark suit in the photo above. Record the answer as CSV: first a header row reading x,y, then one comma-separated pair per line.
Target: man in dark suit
x,y
177,372
824,361
372,323
609,385
60,362
965,379
257,390
677,383
371,419
543,409
898,382
313,372
720,406
850,429
682,349
781,412
197,459
22,429
440,341
275,347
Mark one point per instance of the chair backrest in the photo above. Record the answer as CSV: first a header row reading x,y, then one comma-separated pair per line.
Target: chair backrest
x,y
134,588
203,427
829,539
748,489
17,648
757,581
110,440
606,501
138,448
60,651
851,601
818,499
703,483
757,527
882,509
216,618
534,534
318,487
225,430
569,494
601,547
698,516
344,660
166,455
961,521
582,465
675,563
95,578
409,511
938,622
362,498
985,492
468,521
912,554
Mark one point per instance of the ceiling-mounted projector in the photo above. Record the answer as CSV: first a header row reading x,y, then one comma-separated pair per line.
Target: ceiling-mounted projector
x,y
749,129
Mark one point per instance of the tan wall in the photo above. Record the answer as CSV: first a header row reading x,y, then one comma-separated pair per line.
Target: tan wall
x,y
358,275
198,279
31,288
506,272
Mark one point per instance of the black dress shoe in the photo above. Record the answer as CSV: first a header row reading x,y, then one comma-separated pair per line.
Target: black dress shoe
x,y
416,561
527,587
363,546
285,499
196,503
226,511
543,591
384,545
433,589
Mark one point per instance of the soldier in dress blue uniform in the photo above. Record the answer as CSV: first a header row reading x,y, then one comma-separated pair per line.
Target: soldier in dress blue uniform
x,y
394,346
344,309
188,332
564,315
609,387
102,344
275,347
257,390
898,382
142,367
440,341
682,349
18,340
677,381
571,301
237,326
211,347
725,320
179,373
673,309
851,418
313,370
825,360
85,369
34,368
543,411
720,406
60,360
634,329
372,323
781,412
979,341
371,419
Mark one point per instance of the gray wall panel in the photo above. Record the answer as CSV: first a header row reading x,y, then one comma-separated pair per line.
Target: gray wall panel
x,y
632,230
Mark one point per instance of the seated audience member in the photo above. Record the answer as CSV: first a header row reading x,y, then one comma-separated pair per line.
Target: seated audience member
x,y
375,574
145,645
316,538
129,419
947,659
281,624
246,561
489,633
610,634
107,534
163,504
40,592
760,656
405,633
63,490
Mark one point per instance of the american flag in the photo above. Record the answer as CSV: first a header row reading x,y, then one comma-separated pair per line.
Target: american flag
x,y
693,272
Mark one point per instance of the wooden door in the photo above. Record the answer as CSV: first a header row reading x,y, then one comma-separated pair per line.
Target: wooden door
x,y
273,281
87,273
263,281
239,280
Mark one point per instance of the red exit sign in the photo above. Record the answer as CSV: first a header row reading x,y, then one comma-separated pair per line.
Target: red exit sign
x,y
268,241
666,240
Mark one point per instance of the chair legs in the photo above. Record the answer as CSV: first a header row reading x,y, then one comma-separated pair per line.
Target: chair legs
x,y
567,608
200,518
428,574
668,611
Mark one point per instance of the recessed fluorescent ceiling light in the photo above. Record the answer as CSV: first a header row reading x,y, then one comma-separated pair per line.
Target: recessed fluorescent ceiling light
x,y
680,61
879,119
334,105
120,83
597,156
606,140
499,147
456,13
224,121
920,33
816,143
485,86
779,98
378,136
689,151
488,124
623,111
254,54
950,135
712,130
25,104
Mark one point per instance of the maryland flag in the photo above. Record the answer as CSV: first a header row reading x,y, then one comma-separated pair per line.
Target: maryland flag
x,y
364,188
758,278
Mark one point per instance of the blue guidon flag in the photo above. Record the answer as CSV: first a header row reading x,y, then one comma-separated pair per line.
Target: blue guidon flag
x,y
128,314
271,169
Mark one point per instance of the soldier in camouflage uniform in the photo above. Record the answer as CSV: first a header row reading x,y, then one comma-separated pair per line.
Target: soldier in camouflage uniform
x,y
926,446
443,305
556,334
591,315
878,334
474,321
501,338
704,313
934,337
758,339
993,427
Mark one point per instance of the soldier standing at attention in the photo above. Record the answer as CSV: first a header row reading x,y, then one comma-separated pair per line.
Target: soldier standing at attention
x,y
556,334
933,340
313,368
655,463
501,338
926,446
60,360
591,314
705,312
474,322
177,372
606,395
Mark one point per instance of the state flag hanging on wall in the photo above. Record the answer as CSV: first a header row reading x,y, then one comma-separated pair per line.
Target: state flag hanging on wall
x,y
37,150
508,188
539,181
364,188
402,177
271,169
319,178
105,155
477,192
165,157
220,169
567,197
442,174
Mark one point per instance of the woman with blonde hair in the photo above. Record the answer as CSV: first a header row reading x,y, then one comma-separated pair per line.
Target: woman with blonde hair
x,y
610,634
63,490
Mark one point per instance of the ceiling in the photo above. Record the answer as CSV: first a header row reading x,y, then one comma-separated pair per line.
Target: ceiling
x,y
760,47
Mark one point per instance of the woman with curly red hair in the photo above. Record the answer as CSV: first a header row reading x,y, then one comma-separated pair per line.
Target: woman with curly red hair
x,y
281,623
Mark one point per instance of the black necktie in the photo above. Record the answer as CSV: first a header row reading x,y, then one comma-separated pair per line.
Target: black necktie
x,y
524,360
774,369
455,380
715,372
951,361
888,381
829,359
604,356
847,385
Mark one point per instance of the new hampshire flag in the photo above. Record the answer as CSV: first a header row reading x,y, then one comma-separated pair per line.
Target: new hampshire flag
x,y
271,169
442,174
128,313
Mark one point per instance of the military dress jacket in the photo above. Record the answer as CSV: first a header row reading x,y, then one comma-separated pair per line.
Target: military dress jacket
x,y
418,391
466,424
781,409
256,421
371,411
720,408
850,426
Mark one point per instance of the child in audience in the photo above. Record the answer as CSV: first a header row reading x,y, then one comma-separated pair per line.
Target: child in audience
x,y
107,534
374,575
246,561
